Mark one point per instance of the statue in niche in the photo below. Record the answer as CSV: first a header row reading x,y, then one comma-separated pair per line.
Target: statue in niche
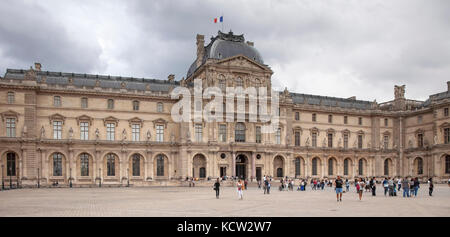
x,y
42,132
97,134
435,140
340,142
172,138
410,143
149,135
124,135
24,131
307,141
324,143
355,144
70,133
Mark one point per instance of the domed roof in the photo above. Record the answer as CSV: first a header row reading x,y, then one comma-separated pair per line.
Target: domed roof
x,y
226,46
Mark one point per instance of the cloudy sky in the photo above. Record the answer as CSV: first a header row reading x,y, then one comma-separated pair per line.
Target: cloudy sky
x,y
333,48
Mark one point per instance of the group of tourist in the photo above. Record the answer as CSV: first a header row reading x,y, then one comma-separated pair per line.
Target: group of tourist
x,y
391,186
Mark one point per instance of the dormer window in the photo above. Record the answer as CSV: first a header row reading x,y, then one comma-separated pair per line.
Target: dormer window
x,y
11,98
110,104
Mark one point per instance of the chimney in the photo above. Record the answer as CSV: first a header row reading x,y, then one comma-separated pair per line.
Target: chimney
x,y
37,66
171,77
200,49
448,86
250,43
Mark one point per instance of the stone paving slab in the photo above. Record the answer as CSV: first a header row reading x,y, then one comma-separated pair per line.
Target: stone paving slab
x,y
201,201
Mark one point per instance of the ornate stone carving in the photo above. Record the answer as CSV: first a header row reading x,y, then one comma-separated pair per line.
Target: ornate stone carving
x,y
70,133
399,92
42,132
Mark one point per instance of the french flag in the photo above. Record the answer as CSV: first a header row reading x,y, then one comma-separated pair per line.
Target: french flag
x,y
220,19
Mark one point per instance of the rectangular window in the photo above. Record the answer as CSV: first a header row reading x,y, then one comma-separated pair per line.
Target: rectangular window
x,y
84,103
345,119
278,136
110,131
313,117
135,132
445,112
330,140
360,122
314,139
258,134
419,119
330,118
360,141
159,107
420,140
386,142
135,105
11,127
160,133
447,135
110,104
10,97
297,116
57,129
345,141
57,101
297,138
84,129
386,122
198,132
222,132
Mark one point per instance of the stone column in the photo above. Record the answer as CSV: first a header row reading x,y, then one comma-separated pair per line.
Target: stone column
x,y
306,166
233,164
254,165
149,166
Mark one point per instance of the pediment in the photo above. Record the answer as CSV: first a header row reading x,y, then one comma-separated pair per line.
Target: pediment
x,y
110,119
160,121
56,117
10,114
244,62
84,118
135,120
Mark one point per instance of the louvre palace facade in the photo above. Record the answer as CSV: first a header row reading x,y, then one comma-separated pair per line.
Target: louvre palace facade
x,y
89,129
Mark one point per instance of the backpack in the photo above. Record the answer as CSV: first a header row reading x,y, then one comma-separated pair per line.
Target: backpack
x,y
358,187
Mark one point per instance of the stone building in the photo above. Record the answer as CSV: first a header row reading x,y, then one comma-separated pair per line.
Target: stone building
x,y
95,128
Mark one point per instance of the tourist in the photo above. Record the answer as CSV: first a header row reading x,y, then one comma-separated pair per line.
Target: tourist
x,y
347,185
411,187
391,187
338,185
416,186
322,184
292,185
430,191
385,186
360,188
245,184
373,186
268,187
240,186
399,183
405,186
216,187
367,181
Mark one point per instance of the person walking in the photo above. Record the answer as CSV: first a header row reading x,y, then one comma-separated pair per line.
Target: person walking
x,y
266,182
399,183
405,186
240,186
391,187
347,185
430,189
216,187
374,186
360,188
245,184
338,184
411,187
268,187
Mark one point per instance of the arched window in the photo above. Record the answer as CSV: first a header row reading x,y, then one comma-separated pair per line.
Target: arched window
x,y
297,166
346,166
160,166
239,82
419,166
57,164
136,165
386,167
314,166
110,104
202,172
111,164
11,164
330,167
279,172
84,164
361,167
240,132
447,164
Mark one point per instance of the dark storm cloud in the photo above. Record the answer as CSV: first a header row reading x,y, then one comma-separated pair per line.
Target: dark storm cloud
x,y
30,34
333,48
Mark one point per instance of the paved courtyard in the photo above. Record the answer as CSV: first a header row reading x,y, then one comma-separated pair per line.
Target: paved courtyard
x,y
201,201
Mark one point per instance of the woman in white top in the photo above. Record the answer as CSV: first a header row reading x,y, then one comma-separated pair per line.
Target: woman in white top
x,y
360,187
240,187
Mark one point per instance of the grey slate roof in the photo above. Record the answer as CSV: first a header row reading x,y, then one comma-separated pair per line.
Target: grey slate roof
x,y
330,101
89,80
225,46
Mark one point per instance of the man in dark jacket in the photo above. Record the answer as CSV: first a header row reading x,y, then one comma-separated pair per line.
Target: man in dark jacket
x,y
216,187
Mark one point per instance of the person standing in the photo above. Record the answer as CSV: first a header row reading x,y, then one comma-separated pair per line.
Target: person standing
x,y
245,184
240,186
216,187
347,185
416,186
399,183
391,187
268,187
266,182
430,191
405,186
338,185
374,186
360,188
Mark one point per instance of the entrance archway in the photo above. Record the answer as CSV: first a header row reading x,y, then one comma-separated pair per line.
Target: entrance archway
x,y
241,166
278,165
199,166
